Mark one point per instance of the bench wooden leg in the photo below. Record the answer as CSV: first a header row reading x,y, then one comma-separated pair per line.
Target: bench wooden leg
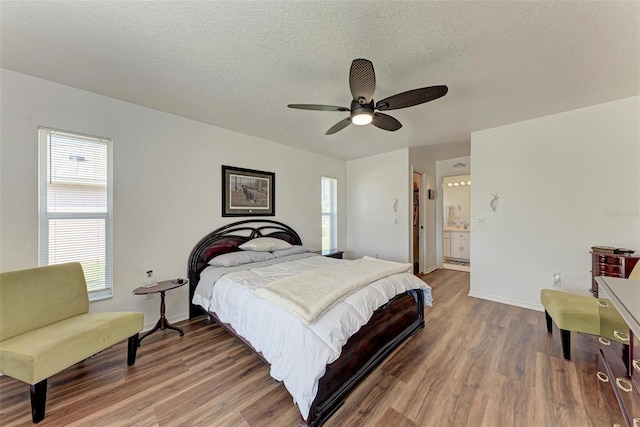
x,y
549,321
626,360
566,343
38,400
132,349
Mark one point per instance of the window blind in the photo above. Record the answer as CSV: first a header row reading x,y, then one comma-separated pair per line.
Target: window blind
x,y
75,205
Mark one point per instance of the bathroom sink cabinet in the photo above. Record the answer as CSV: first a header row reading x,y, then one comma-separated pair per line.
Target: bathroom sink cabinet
x,y
458,245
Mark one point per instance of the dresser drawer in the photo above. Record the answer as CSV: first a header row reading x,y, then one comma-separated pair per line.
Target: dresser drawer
x,y
635,359
612,326
625,390
608,270
607,385
463,236
607,259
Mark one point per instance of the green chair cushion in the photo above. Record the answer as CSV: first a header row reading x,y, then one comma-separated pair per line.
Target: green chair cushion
x,y
580,313
41,353
571,312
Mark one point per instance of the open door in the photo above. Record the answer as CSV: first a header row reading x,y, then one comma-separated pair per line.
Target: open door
x,y
417,178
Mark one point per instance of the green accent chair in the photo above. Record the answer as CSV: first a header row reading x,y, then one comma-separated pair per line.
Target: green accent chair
x,y
46,327
578,313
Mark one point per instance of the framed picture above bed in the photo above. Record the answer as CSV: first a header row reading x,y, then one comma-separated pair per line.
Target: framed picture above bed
x,y
248,192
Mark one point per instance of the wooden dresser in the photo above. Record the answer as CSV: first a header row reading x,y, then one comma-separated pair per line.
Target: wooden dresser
x,y
612,265
619,364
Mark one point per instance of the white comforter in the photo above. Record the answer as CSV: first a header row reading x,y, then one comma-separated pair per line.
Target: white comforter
x,y
298,353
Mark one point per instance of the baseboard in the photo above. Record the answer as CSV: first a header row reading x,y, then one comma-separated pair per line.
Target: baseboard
x,y
508,301
457,267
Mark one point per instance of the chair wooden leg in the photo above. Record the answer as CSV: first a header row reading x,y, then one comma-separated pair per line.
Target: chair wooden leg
x,y
566,343
549,322
38,400
132,349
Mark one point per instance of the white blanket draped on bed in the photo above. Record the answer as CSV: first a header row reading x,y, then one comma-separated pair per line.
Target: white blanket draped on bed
x,y
298,353
308,295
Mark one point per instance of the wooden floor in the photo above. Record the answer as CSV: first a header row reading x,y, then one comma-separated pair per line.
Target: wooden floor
x,y
476,363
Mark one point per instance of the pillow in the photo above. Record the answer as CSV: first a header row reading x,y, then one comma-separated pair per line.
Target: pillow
x,y
295,249
265,244
240,257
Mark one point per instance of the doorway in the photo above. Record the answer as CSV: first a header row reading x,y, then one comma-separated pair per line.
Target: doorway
x,y
417,179
456,224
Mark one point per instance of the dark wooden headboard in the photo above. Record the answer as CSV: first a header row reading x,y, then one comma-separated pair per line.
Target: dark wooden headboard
x,y
227,239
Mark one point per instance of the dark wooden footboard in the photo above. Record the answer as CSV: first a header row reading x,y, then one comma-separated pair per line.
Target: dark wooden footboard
x,y
389,326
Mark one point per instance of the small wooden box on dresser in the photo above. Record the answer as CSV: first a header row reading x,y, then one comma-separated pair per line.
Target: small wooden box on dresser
x,y
608,264
619,362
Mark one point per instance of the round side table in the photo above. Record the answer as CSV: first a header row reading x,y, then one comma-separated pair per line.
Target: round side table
x,y
161,287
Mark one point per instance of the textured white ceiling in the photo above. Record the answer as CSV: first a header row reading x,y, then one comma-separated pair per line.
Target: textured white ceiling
x,y
237,64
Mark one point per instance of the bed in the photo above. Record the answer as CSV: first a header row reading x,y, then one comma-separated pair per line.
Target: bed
x,y
398,316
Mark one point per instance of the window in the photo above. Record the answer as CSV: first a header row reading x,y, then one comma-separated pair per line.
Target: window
x,y
329,213
75,205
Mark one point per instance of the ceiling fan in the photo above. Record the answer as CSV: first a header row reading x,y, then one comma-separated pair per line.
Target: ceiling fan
x,y
362,82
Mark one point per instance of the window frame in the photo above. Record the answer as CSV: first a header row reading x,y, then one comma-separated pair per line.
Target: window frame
x,y
44,217
332,214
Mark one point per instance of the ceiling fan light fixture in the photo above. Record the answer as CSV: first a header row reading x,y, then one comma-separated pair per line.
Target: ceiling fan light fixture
x,y
362,84
363,118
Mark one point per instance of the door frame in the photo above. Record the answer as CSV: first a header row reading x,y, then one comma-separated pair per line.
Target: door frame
x,y
422,247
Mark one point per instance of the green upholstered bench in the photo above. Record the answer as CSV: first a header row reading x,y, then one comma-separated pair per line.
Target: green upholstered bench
x,y
578,313
46,327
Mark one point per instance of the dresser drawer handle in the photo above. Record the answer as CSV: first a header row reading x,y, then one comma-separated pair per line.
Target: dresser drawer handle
x,y
602,377
604,341
636,422
624,385
636,364
603,304
622,336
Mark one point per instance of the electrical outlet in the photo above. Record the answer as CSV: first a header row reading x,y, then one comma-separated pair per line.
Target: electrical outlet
x,y
557,280
149,275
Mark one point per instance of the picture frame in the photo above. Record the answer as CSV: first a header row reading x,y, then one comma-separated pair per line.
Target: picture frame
x,y
248,192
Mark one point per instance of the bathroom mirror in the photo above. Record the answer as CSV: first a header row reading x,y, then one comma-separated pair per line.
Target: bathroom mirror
x,y
456,191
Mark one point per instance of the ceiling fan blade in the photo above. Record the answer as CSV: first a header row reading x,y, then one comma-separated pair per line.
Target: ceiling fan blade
x,y
318,107
412,97
386,122
338,126
362,80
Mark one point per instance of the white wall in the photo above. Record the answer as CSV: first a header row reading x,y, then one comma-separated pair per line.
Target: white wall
x,y
167,183
373,185
565,182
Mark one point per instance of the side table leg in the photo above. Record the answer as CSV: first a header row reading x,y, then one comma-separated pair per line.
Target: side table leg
x,y
170,326
165,323
155,328
162,323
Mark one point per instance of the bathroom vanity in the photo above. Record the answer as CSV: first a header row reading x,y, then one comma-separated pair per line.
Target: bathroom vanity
x,y
456,243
